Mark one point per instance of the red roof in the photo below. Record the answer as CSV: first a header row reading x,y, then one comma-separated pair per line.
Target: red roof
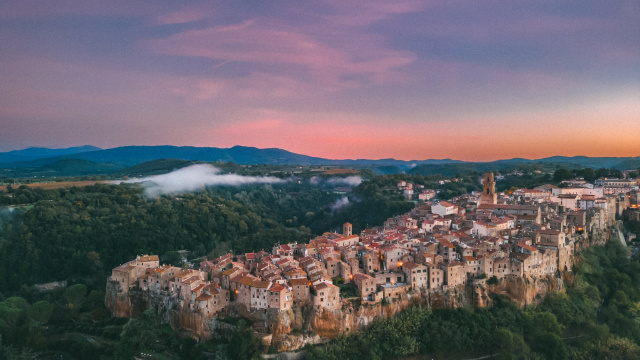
x,y
299,282
527,247
361,276
276,287
203,297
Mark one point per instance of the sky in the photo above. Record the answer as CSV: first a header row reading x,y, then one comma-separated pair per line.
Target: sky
x,y
461,79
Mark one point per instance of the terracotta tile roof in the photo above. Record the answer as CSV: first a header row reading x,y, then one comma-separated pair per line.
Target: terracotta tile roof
x,y
237,278
527,247
183,274
260,284
190,280
204,297
276,287
362,277
411,265
247,280
296,282
145,258
323,285
125,268
345,238
230,271
519,256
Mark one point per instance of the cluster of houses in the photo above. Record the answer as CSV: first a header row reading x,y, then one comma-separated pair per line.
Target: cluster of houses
x,y
531,233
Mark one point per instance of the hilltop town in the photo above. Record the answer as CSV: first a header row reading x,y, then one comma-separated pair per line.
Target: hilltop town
x,y
528,235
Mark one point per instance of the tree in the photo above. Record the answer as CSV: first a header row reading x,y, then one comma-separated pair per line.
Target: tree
x,y
144,333
40,312
588,174
562,174
510,346
172,257
550,346
74,295
545,321
243,345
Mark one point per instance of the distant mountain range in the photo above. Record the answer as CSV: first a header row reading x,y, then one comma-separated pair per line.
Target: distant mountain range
x,y
64,161
34,153
243,155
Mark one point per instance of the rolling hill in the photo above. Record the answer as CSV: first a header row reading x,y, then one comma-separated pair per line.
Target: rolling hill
x,y
34,153
156,159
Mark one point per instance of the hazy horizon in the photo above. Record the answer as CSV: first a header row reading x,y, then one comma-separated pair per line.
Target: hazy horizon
x,y
346,158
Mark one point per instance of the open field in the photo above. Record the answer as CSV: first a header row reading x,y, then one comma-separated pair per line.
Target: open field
x,y
341,171
56,185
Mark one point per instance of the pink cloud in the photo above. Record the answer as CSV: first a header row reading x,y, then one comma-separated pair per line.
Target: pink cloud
x,y
183,16
253,86
299,50
356,14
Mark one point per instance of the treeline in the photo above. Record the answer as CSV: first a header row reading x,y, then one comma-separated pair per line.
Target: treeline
x,y
386,186
589,174
596,318
526,181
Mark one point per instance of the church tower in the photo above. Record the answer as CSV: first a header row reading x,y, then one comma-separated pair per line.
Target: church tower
x,y
347,228
489,195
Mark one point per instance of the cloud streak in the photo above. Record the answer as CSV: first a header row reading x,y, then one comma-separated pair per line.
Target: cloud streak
x,y
340,203
336,181
196,178
301,51
349,180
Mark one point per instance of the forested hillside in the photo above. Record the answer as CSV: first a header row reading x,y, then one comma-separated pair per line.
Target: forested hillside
x,y
82,233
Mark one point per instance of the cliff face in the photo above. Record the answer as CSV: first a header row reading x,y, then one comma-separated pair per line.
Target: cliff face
x,y
134,302
519,290
119,303
355,315
293,329
193,323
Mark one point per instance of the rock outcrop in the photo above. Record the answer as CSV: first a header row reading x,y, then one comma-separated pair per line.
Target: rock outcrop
x,y
292,329
119,303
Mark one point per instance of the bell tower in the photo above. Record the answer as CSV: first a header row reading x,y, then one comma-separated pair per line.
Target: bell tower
x,y
489,195
347,228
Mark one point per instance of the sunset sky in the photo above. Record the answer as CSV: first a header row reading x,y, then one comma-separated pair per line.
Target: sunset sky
x,y
469,80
